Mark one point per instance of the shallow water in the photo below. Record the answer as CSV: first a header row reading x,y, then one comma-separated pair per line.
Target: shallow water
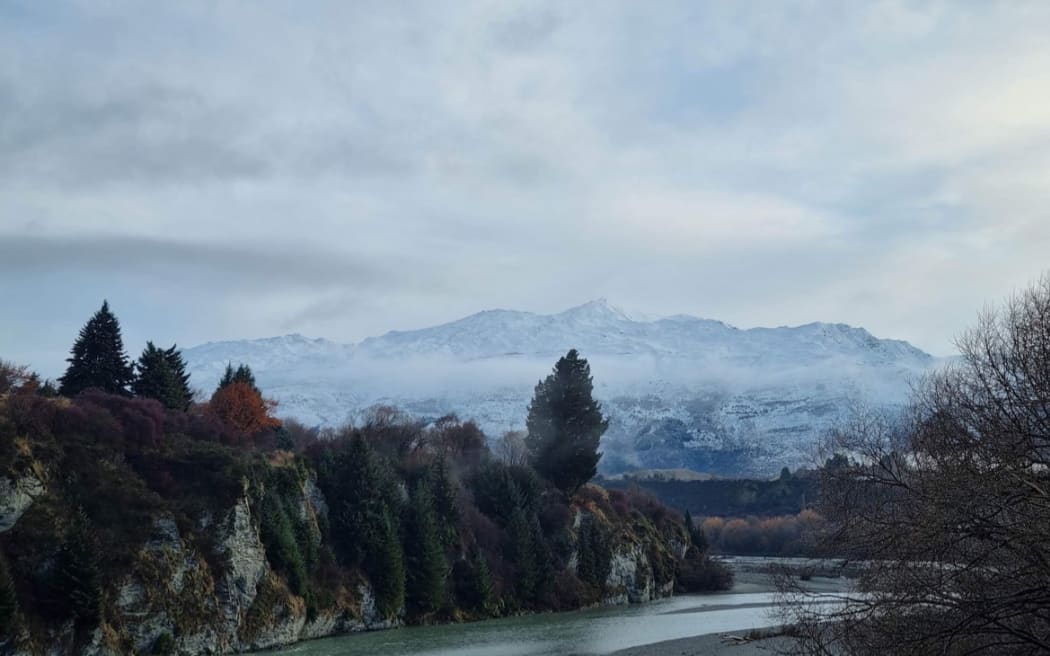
x,y
599,631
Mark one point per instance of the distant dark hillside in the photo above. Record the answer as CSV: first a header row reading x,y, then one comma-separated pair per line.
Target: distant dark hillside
x,y
787,495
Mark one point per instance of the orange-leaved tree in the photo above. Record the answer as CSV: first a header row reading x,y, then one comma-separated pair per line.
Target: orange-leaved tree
x,y
241,406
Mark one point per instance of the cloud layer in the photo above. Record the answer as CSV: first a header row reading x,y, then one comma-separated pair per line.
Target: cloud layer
x,y
241,170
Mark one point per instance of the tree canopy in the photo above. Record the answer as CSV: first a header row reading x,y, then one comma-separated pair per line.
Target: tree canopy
x,y
98,359
565,425
162,376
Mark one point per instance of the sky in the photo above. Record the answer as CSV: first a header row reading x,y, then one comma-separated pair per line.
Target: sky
x,y
223,170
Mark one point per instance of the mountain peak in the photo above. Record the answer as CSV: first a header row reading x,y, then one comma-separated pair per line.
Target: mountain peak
x,y
599,308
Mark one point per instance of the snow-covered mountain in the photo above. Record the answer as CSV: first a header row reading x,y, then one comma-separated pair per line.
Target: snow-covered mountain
x,y
680,391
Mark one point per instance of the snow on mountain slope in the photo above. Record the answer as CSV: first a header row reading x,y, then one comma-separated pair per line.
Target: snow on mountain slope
x,y
680,391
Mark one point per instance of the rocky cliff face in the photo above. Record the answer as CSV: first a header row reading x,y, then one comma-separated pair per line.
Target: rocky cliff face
x,y
181,599
221,595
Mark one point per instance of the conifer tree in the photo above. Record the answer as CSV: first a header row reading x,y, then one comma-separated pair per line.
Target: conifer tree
x,y
427,571
76,576
162,376
696,534
444,491
526,551
480,583
385,564
181,379
594,553
242,374
565,425
98,358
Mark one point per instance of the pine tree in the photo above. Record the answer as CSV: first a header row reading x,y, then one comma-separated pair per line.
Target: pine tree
x,y
444,491
565,425
696,534
8,600
385,564
424,553
162,376
523,554
76,575
227,377
475,588
182,397
98,358
353,483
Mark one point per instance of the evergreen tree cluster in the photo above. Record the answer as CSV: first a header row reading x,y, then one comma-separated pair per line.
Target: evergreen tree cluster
x,y
98,361
242,374
162,376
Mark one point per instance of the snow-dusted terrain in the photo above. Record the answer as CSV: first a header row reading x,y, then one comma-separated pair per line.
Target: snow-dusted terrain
x,y
680,391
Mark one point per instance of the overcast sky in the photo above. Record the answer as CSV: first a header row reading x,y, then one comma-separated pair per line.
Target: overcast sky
x,y
246,169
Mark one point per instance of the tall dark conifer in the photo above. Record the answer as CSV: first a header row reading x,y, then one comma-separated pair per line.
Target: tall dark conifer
x,y
98,358
427,571
181,379
565,425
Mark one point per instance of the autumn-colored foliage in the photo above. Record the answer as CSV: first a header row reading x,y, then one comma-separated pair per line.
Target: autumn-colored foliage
x,y
241,406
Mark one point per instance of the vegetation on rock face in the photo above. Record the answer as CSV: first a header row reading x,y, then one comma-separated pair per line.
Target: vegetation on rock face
x,y
422,515
8,600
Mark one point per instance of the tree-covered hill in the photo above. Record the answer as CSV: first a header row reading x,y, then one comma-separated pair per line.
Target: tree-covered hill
x,y
132,521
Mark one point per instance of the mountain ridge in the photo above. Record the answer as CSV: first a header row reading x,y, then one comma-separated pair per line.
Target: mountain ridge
x,y
681,391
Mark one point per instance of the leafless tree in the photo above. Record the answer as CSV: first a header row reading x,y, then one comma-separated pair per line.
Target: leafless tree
x,y
511,448
13,376
948,505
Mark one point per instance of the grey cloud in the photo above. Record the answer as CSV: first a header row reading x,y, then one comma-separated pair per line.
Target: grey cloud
x,y
223,266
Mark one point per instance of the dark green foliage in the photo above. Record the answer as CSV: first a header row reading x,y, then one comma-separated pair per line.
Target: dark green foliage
x,y
730,497
98,358
521,552
499,489
698,573
364,507
282,438
8,600
277,529
565,425
696,534
162,376
444,490
163,645
76,582
594,553
385,565
531,558
352,479
473,582
242,374
427,571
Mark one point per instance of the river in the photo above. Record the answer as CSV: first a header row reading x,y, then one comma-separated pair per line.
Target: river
x,y
597,631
